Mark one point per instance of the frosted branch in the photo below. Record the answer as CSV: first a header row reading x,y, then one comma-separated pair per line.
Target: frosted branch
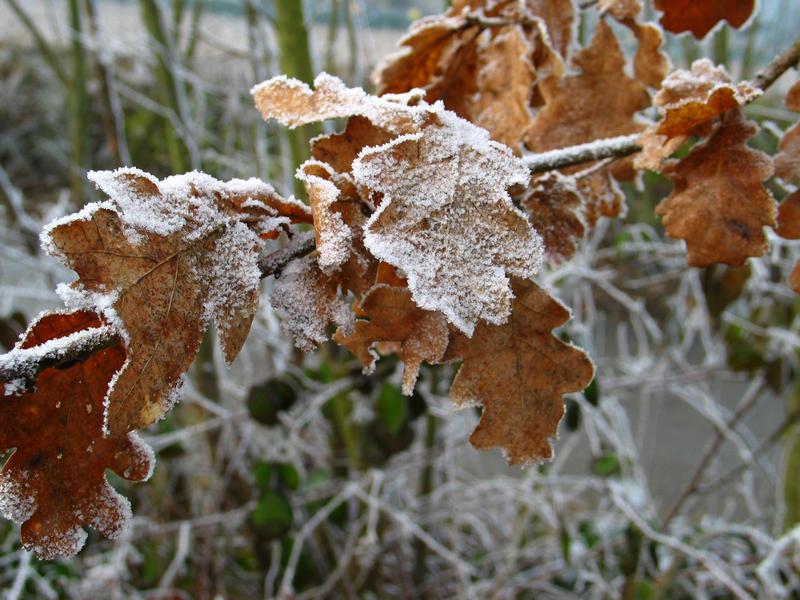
x,y
20,367
616,147
779,65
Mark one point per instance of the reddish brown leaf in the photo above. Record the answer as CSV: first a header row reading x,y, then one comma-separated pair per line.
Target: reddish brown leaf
x,y
789,217
700,16
794,279
55,483
787,161
688,99
556,210
719,205
518,372
420,335
483,60
164,259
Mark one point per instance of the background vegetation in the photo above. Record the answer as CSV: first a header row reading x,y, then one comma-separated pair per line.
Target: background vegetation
x,y
676,473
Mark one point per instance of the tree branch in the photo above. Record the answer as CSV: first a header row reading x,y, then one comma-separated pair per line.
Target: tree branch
x,y
778,66
23,365
615,147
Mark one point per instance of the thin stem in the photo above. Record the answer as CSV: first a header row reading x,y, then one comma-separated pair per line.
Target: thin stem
x,y
780,64
26,364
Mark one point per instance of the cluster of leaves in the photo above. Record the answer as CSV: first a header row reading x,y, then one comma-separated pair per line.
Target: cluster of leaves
x,y
429,230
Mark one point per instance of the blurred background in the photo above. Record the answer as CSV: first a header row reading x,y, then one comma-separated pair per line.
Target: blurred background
x,y
677,472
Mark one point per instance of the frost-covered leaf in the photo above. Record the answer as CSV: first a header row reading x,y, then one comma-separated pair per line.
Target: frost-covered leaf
x,y
308,301
518,373
164,259
420,335
54,483
447,220
688,99
719,204
444,217
788,226
621,9
787,161
700,16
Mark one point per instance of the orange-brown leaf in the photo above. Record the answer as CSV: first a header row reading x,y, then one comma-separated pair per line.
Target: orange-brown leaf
x,y
54,483
700,16
518,372
719,204
166,258
688,99
789,217
556,211
420,335
787,161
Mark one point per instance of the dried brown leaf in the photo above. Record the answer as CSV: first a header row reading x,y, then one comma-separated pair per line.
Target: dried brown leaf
x,y
787,161
789,217
419,335
621,10
54,483
719,205
700,16
556,211
164,259
688,99
518,372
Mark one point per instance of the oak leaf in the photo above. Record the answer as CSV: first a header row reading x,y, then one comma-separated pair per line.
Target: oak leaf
x,y
518,372
164,259
719,204
444,217
700,16
420,335
688,99
484,60
789,217
787,161
556,211
54,483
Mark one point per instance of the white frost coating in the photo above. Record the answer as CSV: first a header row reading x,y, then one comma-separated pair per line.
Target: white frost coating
x,y
334,237
15,387
447,220
308,302
111,513
16,502
145,451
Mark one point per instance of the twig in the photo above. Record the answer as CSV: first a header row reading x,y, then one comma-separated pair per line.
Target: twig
x,y
693,485
616,147
780,64
25,364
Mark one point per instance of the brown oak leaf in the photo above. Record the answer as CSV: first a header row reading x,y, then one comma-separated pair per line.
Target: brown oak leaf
x,y
556,210
54,483
700,16
444,217
789,217
484,60
163,259
688,99
787,161
621,9
518,372
421,335
719,205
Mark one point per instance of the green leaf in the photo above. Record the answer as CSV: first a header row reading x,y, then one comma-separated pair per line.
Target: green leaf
x,y
607,465
272,514
289,476
392,408
265,401
263,473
